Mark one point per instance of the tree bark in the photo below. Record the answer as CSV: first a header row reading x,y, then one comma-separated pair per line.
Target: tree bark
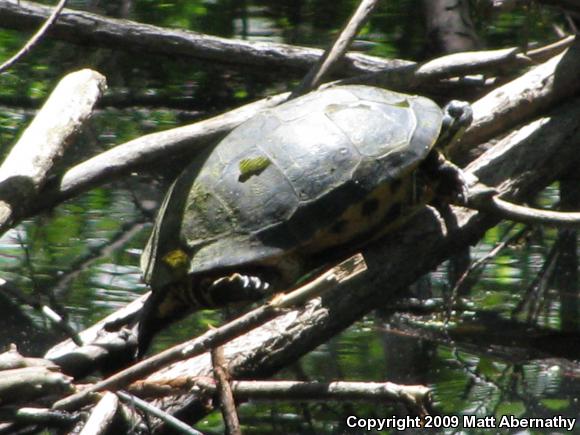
x,y
86,28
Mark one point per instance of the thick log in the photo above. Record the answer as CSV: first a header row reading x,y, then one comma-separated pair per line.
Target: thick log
x,y
87,28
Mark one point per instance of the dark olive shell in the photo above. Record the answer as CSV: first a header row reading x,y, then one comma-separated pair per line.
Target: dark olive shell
x,y
276,180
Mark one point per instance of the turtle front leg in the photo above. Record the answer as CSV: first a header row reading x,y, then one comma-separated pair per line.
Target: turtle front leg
x,y
234,288
448,179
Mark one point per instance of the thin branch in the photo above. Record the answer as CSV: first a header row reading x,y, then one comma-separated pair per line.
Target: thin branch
x,y
337,50
35,38
488,201
170,420
228,405
413,396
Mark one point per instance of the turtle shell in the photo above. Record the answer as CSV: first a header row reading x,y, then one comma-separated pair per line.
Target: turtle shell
x,y
290,179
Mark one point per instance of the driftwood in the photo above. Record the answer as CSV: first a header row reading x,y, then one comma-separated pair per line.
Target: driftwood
x,y
348,269
552,141
26,168
511,166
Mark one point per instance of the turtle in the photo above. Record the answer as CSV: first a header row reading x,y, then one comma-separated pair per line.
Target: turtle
x,y
292,188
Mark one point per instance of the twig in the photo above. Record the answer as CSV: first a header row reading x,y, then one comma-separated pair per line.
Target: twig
x,y
102,415
542,54
537,285
340,273
228,405
35,38
170,420
413,396
337,50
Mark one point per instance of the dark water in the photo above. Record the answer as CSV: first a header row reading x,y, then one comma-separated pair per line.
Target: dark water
x,y
504,353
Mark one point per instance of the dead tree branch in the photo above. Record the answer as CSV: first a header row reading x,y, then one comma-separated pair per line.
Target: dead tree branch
x,y
524,98
222,382
149,148
87,28
26,168
35,38
337,50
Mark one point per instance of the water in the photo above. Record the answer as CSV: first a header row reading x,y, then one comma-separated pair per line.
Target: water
x,y
505,354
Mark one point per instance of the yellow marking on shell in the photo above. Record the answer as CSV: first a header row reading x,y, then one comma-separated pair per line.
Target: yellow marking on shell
x,y
177,260
358,224
253,166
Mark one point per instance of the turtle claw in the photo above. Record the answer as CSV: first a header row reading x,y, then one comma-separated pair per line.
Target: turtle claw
x,y
237,287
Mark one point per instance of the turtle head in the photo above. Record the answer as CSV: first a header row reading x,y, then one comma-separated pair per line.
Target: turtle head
x,y
457,116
